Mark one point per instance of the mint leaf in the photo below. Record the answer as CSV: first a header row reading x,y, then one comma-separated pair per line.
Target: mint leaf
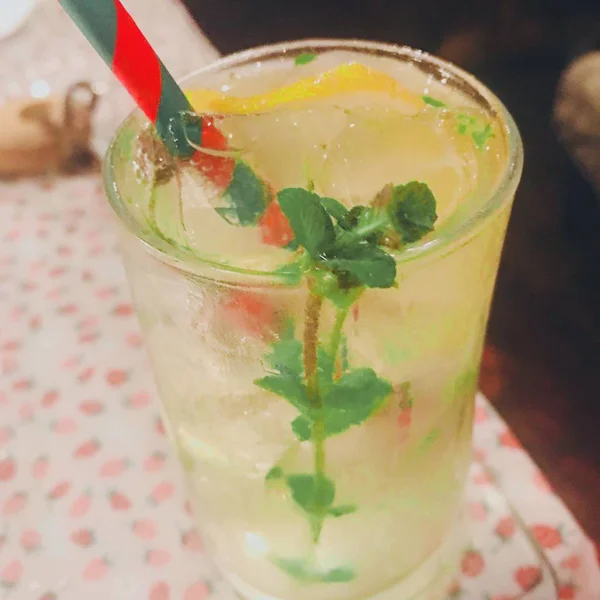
x,y
291,389
362,223
286,379
302,427
296,568
433,102
302,571
324,369
310,222
343,509
312,493
336,209
246,196
353,399
286,357
412,211
480,137
369,265
274,473
338,575
304,58
476,127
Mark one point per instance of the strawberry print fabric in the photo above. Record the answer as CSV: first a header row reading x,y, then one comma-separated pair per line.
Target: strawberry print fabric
x,y
92,502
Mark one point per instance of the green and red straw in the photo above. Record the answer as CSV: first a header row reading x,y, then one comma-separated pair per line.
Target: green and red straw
x,y
118,40
116,37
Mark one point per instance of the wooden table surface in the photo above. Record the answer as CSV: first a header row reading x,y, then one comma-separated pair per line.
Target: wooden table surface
x,y
541,365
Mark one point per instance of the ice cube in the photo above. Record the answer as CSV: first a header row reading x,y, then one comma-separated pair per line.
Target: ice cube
x,y
382,145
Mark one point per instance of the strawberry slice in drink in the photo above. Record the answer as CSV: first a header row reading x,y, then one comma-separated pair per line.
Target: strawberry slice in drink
x,y
275,229
218,169
252,312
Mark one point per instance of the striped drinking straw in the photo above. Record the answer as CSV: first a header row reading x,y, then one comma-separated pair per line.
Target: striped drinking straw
x,y
115,36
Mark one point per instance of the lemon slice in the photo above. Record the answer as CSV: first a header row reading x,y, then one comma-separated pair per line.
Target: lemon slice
x,y
344,79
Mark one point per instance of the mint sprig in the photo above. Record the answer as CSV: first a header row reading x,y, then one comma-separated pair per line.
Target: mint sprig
x,y
339,253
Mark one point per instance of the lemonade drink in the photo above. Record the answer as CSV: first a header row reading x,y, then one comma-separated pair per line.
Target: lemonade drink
x,y
317,363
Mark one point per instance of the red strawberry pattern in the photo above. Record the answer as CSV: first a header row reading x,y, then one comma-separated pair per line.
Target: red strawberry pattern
x,y
80,506
548,537
505,528
157,558
144,529
87,449
97,568
160,591
83,537
90,491
30,540
118,501
197,591
472,563
8,469
528,577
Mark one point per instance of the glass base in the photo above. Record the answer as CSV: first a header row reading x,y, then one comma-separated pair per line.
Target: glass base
x,y
430,581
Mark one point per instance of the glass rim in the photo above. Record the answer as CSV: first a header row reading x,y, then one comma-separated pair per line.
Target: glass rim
x,y
440,243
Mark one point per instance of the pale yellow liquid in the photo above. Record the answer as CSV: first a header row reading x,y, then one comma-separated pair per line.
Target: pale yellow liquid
x,y
428,332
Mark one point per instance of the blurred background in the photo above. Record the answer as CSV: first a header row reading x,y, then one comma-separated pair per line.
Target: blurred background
x,y
542,361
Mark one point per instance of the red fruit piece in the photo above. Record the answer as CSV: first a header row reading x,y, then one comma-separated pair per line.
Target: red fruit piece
x,y
548,537
275,229
472,564
528,577
218,169
251,311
